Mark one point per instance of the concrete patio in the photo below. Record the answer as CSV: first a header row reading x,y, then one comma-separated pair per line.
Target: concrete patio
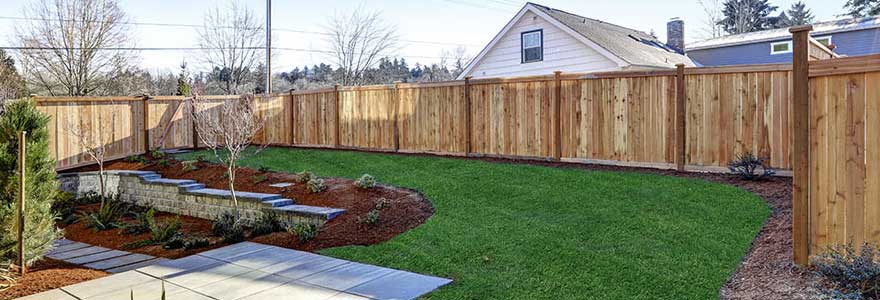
x,y
253,271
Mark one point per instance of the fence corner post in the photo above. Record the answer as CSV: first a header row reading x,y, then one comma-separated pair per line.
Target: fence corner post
x,y
338,117
801,143
680,119
146,124
557,79
290,122
468,144
395,96
22,151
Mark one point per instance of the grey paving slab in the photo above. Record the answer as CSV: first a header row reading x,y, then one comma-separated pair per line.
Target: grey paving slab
x,y
232,251
399,285
110,284
267,257
242,286
186,264
88,259
119,261
55,294
186,295
62,242
281,184
150,289
347,276
136,265
67,247
201,277
304,266
294,290
77,253
347,296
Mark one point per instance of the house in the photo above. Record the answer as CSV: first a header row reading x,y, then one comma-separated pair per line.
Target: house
x,y
850,37
540,40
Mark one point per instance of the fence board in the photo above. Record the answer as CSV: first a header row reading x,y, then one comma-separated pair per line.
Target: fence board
x,y
431,119
366,118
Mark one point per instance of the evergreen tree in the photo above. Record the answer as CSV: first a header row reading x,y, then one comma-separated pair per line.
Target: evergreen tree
x,y
40,185
11,83
183,82
741,16
798,14
862,8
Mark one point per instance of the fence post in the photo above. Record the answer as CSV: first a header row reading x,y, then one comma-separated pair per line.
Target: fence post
x,y
195,132
557,153
801,147
680,117
146,125
290,119
22,150
395,96
338,117
468,146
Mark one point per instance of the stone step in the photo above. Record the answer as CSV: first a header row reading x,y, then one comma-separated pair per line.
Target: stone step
x,y
279,202
243,195
150,176
166,181
326,213
192,187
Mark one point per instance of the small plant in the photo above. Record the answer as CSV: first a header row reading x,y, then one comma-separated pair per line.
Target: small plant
x,y
105,218
750,167
264,169
141,222
371,218
260,179
304,232
136,159
201,158
316,185
156,153
267,223
164,231
189,166
382,203
228,228
163,163
850,273
366,182
305,176
195,243
225,175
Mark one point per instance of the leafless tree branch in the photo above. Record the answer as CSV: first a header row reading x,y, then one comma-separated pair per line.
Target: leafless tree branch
x,y
358,41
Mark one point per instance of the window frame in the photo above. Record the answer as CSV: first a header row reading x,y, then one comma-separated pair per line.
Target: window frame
x,y
822,38
773,48
522,45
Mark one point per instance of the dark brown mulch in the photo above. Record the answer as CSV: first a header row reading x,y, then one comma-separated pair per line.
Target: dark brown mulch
x,y
49,274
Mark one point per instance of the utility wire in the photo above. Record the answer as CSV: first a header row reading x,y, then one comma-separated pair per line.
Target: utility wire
x,y
186,49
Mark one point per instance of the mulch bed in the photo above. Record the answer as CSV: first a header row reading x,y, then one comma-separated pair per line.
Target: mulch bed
x,y
49,274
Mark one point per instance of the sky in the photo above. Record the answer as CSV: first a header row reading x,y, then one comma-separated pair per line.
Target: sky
x,y
427,27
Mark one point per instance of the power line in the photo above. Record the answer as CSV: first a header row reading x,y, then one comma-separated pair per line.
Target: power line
x,y
186,49
231,27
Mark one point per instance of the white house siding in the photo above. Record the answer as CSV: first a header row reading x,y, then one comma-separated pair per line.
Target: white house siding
x,y
562,52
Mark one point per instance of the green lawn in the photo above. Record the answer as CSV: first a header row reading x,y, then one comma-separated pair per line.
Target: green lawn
x,y
509,231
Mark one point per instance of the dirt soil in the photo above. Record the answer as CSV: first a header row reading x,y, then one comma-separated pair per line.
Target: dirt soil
x,y
49,274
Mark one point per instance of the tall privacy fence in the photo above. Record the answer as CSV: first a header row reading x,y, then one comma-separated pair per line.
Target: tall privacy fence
x,y
687,119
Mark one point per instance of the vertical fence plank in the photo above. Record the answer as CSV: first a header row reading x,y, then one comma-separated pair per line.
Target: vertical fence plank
x,y
801,141
146,124
680,117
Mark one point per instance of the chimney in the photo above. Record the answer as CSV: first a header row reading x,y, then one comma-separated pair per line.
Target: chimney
x,y
675,34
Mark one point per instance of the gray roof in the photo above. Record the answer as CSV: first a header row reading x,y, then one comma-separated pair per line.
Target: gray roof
x,y
819,29
633,46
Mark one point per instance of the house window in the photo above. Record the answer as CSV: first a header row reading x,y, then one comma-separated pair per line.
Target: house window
x,y
780,47
825,40
532,46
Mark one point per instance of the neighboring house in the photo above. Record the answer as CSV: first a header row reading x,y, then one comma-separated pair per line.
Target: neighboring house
x,y
850,37
540,40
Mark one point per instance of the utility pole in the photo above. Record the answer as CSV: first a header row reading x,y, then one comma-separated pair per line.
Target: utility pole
x,y
268,47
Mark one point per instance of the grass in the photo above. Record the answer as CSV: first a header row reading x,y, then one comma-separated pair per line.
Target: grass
x,y
510,231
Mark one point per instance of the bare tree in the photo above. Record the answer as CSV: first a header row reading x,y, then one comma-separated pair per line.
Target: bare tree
x,y
711,24
228,129
234,37
358,41
64,41
93,140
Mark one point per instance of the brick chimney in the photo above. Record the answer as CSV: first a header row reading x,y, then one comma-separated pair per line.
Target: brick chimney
x,y
675,34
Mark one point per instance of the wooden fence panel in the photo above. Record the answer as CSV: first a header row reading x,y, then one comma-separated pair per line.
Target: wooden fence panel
x,y
274,111
733,113
432,119
627,120
170,123
314,119
514,118
366,117
118,122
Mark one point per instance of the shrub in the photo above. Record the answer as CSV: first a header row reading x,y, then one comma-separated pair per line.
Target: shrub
x,y
305,176
189,166
161,232
136,159
851,273
157,153
195,243
365,182
382,203
371,218
750,167
228,228
304,232
41,187
163,163
316,185
267,223
260,178
106,217
141,222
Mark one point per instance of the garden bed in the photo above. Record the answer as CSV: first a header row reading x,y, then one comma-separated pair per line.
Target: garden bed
x,y
49,274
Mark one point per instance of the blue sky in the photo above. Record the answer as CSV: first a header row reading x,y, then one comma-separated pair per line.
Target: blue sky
x,y
471,23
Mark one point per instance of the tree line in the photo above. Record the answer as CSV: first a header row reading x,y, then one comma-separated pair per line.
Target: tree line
x,y
743,16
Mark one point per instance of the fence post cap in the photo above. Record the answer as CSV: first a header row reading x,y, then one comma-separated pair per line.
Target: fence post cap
x,y
679,65
800,28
